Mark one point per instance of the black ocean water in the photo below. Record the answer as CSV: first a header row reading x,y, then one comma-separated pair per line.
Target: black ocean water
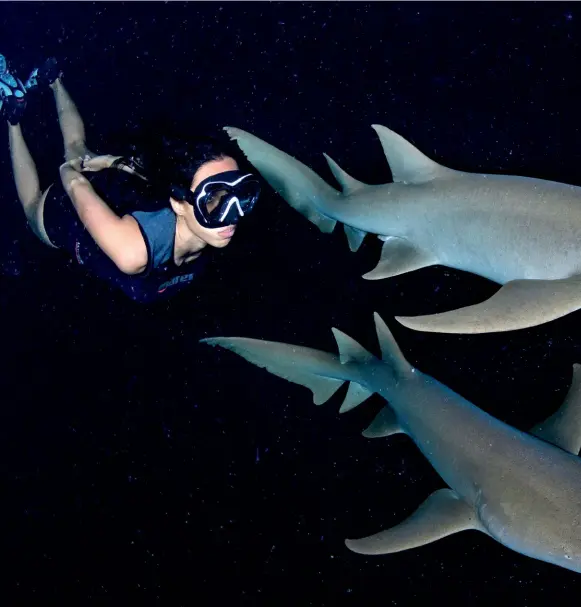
x,y
141,467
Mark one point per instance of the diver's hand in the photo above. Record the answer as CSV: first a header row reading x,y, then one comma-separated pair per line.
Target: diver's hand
x,y
75,163
91,164
98,163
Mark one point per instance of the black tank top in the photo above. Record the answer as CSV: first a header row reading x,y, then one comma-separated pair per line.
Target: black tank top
x,y
125,194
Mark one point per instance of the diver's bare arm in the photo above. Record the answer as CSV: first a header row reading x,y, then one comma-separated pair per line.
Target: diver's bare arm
x,y
118,237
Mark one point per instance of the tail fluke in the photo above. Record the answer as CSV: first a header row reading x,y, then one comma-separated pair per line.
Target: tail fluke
x,y
319,371
323,373
299,185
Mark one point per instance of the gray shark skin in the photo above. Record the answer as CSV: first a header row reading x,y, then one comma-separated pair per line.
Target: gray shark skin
x,y
520,232
522,489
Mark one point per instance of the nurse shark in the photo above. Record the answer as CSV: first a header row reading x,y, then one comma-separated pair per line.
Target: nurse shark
x,y
522,489
520,232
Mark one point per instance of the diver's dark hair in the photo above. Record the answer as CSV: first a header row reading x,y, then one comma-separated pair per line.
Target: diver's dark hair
x,y
170,161
181,158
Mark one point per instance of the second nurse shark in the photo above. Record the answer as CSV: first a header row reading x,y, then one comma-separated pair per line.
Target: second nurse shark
x,y
522,489
519,232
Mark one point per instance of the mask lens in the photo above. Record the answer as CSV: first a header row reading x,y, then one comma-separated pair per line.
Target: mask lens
x,y
248,194
214,199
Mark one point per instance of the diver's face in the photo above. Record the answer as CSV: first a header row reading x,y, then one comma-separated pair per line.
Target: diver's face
x,y
215,237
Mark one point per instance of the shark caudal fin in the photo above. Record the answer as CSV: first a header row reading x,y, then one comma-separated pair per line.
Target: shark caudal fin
x,y
319,371
299,185
323,373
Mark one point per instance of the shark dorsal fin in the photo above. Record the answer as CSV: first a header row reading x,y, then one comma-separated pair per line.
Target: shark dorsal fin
x,y
408,165
350,350
348,184
390,351
563,428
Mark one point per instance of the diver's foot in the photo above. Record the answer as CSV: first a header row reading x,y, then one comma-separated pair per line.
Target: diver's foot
x,y
12,108
45,75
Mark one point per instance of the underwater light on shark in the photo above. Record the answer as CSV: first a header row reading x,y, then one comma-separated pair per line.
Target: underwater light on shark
x,y
520,232
521,489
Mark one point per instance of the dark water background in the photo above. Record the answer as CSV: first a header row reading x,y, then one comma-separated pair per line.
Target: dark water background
x,y
140,467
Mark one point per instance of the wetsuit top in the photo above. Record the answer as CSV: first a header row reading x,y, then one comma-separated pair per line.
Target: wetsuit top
x,y
161,278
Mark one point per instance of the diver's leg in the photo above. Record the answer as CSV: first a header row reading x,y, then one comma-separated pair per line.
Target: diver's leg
x,y
27,184
71,123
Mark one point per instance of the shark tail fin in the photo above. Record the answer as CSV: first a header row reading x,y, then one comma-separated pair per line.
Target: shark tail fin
x,y
322,372
316,370
319,371
299,185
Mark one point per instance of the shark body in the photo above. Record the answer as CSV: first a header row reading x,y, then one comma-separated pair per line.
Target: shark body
x,y
520,232
522,489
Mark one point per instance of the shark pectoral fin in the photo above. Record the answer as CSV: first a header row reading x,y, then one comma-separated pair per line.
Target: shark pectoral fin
x,y
354,237
384,424
399,256
300,186
442,514
563,428
519,304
